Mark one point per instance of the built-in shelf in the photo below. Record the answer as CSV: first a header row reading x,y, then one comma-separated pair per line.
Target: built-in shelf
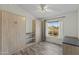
x,y
30,33
30,36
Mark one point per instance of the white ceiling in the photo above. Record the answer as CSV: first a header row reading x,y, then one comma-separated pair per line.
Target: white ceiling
x,y
56,9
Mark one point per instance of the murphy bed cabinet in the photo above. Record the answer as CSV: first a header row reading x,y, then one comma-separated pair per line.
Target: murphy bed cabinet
x,y
12,32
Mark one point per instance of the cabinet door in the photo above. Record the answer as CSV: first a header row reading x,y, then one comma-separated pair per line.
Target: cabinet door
x,y
67,49
75,50
14,31
9,32
70,50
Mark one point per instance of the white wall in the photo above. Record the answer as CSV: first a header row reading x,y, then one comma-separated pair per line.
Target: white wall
x,y
70,24
19,11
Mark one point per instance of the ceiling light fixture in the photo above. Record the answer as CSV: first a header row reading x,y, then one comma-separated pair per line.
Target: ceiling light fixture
x,y
43,10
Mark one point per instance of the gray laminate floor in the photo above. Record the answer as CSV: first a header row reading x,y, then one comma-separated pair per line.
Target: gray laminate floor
x,y
43,48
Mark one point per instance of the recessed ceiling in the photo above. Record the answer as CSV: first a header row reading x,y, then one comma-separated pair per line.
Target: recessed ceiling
x,y
56,9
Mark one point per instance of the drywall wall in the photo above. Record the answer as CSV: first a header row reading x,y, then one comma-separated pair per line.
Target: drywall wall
x,y
69,27
70,24
19,11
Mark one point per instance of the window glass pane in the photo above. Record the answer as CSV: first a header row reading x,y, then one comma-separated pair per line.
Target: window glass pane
x,y
53,28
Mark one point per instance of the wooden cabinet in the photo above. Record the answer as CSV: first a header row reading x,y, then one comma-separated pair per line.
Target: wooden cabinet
x,y
13,32
70,49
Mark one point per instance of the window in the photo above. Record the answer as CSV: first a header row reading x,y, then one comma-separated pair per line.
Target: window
x,y
53,28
